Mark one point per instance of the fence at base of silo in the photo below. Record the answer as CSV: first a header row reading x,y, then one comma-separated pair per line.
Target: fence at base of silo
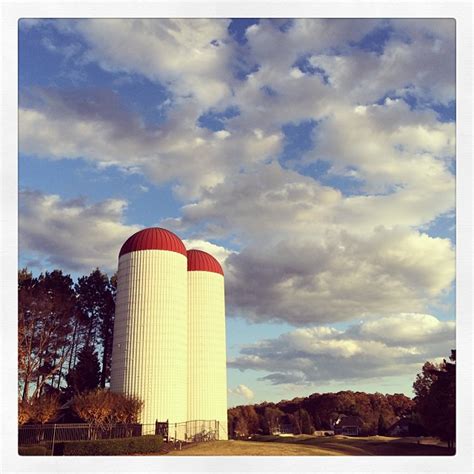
x,y
195,431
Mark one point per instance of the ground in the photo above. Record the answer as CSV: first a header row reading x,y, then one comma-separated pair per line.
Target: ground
x,y
305,445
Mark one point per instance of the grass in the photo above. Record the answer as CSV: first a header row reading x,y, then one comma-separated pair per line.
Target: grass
x,y
306,445
247,448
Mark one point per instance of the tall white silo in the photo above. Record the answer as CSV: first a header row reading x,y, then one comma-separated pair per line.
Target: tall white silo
x,y
149,356
207,379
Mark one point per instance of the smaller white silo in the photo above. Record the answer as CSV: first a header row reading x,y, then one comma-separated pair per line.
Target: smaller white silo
x,y
207,378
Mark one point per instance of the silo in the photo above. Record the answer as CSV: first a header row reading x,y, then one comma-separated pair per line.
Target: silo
x,y
149,356
207,381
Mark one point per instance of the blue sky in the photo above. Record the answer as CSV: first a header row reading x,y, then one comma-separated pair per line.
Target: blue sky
x,y
314,158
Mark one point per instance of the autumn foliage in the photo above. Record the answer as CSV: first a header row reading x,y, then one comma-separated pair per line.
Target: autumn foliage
x,y
103,408
38,410
318,412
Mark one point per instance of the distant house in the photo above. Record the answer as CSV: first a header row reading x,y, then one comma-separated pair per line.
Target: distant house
x,y
400,428
324,433
348,425
284,429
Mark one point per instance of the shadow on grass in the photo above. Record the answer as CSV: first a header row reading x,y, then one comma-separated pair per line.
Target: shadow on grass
x,y
370,446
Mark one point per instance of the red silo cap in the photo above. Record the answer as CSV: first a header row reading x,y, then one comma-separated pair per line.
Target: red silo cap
x,y
153,238
202,261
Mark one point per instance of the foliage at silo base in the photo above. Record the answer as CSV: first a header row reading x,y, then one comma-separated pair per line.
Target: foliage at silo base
x,y
33,451
111,447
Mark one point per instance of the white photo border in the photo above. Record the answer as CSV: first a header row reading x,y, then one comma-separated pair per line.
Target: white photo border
x,y
460,11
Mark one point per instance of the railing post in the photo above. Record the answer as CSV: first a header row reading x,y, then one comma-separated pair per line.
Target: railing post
x,y
54,436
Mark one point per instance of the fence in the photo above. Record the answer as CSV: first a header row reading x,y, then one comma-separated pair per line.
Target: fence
x,y
196,431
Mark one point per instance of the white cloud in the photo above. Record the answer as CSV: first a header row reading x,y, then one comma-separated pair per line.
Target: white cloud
x,y
362,352
303,280
407,328
73,234
218,252
308,253
95,125
191,56
242,391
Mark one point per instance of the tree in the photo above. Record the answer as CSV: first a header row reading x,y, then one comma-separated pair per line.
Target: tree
x,y
46,307
271,417
126,408
85,375
302,422
251,418
95,300
241,428
382,425
435,390
43,409
401,405
102,408
23,411
318,424
107,329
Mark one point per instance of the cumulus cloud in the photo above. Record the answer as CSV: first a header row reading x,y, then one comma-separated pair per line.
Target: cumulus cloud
x,y
218,252
190,55
303,281
308,251
73,234
95,125
309,254
364,351
242,391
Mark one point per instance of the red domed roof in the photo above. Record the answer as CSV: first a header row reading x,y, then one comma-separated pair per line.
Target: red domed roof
x,y
202,261
153,238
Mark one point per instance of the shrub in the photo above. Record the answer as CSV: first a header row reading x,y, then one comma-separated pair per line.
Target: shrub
x,y
102,408
24,410
43,409
33,451
111,447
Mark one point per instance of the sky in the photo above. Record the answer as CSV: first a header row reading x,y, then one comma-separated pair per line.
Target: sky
x,y
315,159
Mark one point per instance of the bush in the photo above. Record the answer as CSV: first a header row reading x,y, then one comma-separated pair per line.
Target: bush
x,y
103,408
24,410
33,451
111,447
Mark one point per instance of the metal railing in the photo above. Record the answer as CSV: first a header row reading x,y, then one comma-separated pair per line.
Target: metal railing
x,y
195,431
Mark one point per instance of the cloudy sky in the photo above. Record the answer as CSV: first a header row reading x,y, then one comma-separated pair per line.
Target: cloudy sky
x,y
314,158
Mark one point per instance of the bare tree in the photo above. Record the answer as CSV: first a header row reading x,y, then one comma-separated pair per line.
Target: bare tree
x,y
46,307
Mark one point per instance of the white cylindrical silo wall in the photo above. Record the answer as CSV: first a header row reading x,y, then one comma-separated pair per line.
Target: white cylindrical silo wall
x,y
207,379
149,356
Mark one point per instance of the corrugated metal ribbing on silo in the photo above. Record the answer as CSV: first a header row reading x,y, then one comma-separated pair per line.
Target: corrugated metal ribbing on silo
x,y
207,379
149,356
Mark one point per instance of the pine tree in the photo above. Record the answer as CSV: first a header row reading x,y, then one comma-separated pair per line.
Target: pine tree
x,y
86,375
95,299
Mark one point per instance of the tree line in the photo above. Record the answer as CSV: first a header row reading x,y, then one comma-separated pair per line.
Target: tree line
x,y
319,412
431,412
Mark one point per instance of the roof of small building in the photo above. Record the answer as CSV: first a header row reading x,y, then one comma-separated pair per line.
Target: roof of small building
x,y
153,238
202,261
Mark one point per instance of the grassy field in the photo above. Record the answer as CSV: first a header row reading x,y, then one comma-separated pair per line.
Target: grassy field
x,y
305,445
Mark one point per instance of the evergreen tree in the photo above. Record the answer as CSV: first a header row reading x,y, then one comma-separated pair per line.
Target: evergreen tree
x,y
86,375
435,390
95,299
